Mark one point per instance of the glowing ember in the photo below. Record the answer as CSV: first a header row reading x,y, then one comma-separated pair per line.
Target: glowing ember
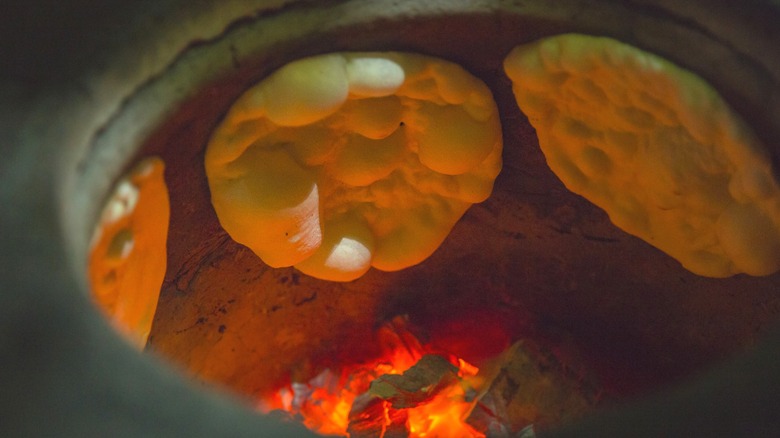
x,y
417,392
443,416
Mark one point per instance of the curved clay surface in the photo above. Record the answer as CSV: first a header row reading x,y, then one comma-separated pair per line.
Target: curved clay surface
x,y
88,82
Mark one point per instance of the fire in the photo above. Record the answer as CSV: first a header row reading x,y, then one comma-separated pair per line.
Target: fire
x,y
327,403
443,416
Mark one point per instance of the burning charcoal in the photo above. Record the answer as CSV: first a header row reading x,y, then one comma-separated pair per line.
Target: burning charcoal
x,y
430,398
301,393
371,417
489,417
398,427
418,384
532,386
367,417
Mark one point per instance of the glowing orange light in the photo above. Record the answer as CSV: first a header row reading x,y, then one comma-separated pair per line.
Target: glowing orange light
x,y
324,403
443,416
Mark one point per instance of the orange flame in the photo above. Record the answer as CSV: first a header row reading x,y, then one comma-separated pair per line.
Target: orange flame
x,y
443,416
323,404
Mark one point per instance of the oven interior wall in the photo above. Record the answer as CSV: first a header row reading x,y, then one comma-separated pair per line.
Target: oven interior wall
x,y
532,261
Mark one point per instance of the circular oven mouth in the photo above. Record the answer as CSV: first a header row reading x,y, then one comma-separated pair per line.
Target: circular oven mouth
x,y
534,262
